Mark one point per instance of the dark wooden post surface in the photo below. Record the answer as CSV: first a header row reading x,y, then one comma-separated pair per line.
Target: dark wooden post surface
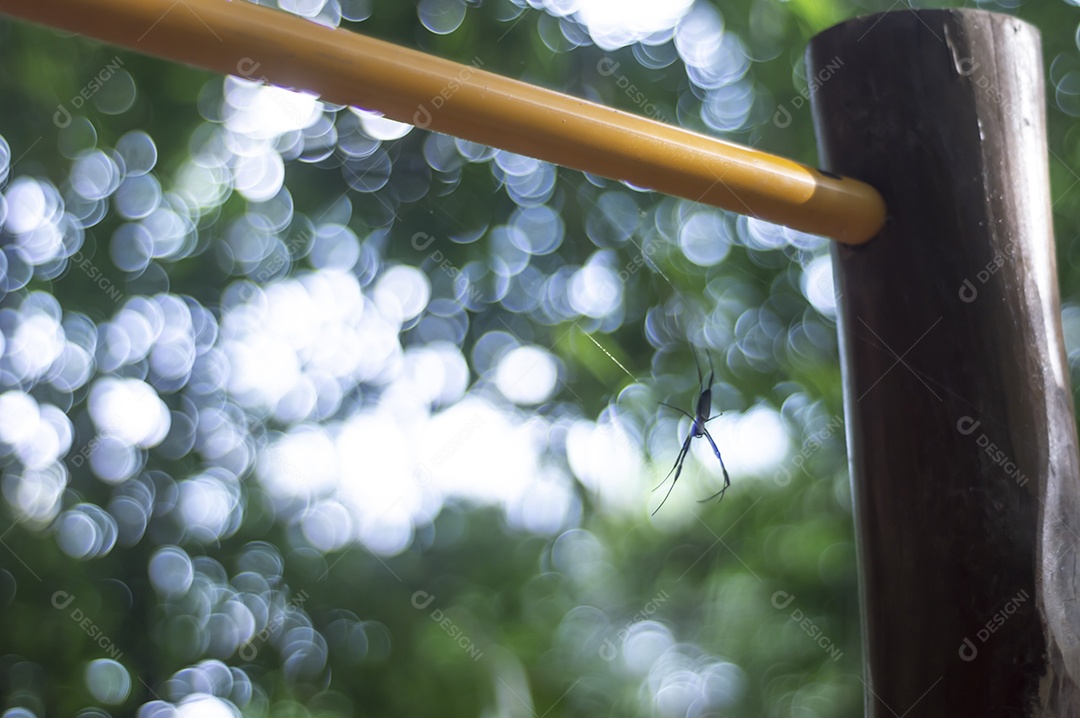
x,y
961,431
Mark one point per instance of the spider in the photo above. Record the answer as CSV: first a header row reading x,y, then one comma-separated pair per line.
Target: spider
x,y
697,429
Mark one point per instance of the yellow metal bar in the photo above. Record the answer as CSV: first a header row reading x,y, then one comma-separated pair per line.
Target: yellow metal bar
x,y
231,36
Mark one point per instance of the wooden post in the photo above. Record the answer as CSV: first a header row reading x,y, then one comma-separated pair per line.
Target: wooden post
x,y
961,431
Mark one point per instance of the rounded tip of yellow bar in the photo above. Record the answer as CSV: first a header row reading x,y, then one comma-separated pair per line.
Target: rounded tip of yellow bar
x,y
348,68
854,211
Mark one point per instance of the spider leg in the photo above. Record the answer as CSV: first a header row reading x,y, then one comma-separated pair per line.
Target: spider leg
x,y
712,372
678,463
727,481
681,411
677,468
700,377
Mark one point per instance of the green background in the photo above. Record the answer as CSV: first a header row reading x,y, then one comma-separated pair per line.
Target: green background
x,y
604,610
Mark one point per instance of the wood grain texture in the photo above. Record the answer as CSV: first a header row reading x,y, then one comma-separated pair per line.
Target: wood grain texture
x,y
961,430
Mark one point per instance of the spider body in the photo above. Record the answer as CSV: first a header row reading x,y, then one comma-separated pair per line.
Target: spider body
x,y
697,430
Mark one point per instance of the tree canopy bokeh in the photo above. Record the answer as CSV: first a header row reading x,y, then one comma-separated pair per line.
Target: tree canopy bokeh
x,y
304,412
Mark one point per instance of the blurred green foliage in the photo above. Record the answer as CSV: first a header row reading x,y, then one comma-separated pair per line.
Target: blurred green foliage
x,y
748,608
